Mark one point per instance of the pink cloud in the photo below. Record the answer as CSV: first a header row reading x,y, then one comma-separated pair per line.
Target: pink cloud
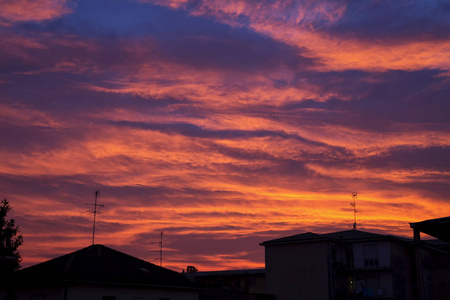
x,y
32,10
296,23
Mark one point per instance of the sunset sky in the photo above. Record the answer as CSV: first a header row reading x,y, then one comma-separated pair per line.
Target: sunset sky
x,y
222,124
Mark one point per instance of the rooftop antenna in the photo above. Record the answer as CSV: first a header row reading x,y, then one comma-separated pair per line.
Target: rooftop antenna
x,y
95,211
354,196
161,250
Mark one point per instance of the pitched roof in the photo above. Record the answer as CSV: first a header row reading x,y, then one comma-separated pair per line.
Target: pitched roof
x,y
343,236
98,264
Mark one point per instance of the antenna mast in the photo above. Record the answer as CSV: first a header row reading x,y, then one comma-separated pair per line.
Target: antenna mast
x,y
161,250
354,196
95,212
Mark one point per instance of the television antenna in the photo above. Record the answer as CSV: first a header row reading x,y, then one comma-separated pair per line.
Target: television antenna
x,y
354,196
95,211
160,251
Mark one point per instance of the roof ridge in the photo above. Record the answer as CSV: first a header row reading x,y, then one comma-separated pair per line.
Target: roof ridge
x,y
100,264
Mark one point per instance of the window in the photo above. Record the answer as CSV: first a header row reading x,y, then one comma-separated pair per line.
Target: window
x,y
371,255
351,283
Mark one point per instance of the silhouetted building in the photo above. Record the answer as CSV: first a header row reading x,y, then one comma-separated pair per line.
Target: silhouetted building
x,y
432,258
101,273
232,284
355,264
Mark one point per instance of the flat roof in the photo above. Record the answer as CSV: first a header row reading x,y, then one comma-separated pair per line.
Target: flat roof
x,y
230,272
342,236
438,228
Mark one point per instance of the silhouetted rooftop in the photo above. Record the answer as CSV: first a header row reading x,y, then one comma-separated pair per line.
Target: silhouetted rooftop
x,y
230,272
346,235
308,236
100,265
438,228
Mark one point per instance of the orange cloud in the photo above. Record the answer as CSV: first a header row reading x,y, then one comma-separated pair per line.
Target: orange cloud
x,y
293,23
32,10
340,54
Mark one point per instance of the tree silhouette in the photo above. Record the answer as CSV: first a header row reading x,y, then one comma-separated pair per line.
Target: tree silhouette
x,y
10,240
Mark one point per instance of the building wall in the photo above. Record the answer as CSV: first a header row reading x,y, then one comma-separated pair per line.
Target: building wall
x,y
241,281
366,252
298,271
123,293
97,293
403,271
435,274
362,269
50,293
257,285
386,269
372,262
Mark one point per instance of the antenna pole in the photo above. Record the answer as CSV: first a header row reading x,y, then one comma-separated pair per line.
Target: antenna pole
x,y
161,250
354,196
95,212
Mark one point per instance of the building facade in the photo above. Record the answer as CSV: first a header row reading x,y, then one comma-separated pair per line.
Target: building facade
x,y
355,264
232,284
